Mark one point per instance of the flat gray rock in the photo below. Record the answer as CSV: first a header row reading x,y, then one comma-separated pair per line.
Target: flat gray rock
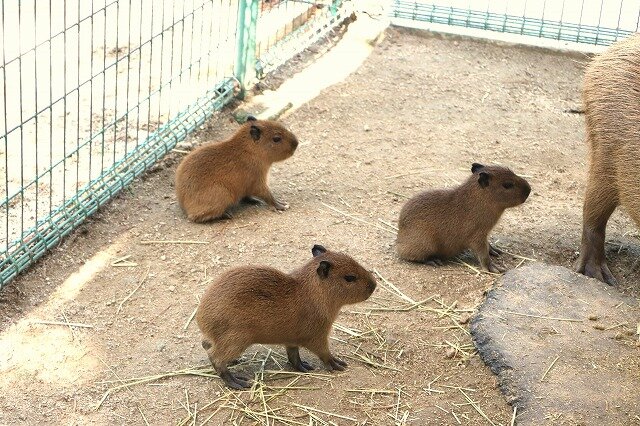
x,y
564,347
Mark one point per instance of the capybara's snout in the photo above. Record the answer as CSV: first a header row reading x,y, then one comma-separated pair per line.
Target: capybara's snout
x,y
526,190
371,285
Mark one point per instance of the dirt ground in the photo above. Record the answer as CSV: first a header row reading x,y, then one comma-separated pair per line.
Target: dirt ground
x,y
417,113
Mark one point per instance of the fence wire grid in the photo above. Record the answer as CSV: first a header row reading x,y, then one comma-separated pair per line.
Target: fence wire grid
x,y
94,92
592,22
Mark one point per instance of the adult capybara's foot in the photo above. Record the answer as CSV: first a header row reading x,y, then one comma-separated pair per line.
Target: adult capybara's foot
x,y
588,266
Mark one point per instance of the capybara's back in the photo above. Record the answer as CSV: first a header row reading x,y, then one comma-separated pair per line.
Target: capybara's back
x,y
612,110
611,96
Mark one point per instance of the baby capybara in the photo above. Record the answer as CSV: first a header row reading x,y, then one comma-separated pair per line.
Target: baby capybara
x,y
442,223
216,176
611,96
259,304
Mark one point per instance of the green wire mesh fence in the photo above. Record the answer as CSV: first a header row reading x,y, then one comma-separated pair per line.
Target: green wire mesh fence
x,y
594,22
95,91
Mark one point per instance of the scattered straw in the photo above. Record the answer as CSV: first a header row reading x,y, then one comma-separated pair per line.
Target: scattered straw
x,y
173,242
144,277
66,320
617,325
416,172
398,194
394,289
549,368
122,262
356,218
65,323
193,314
513,417
542,317
128,383
390,225
476,407
307,409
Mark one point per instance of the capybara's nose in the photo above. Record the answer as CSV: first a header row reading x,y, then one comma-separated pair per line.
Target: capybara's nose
x,y
526,191
294,143
371,285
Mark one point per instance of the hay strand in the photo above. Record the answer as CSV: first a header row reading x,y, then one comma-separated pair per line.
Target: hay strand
x,y
144,277
549,368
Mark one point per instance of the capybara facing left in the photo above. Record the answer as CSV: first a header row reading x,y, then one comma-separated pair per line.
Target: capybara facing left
x,y
260,304
216,176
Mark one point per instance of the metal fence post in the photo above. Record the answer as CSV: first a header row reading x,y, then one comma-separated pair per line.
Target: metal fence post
x,y
245,69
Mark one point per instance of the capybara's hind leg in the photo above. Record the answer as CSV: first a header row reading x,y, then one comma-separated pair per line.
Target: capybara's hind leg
x,y
220,357
211,203
599,202
293,353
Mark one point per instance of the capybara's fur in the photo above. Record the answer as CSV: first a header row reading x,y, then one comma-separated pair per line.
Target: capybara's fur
x,y
216,176
254,304
611,96
442,223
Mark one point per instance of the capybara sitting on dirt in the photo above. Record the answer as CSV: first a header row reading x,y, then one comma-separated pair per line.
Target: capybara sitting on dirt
x,y
216,176
611,96
442,223
254,304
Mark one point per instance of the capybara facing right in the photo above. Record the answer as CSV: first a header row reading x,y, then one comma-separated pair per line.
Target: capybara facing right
x,y
216,176
611,96
442,223
260,304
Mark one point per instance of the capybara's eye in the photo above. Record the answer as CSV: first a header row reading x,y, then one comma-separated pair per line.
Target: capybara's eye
x,y
350,278
277,139
507,185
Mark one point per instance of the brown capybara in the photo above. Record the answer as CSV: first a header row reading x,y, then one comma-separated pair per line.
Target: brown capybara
x,y
442,223
216,176
259,304
611,96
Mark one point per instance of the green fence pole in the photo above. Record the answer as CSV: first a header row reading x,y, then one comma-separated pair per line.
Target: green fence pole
x,y
245,69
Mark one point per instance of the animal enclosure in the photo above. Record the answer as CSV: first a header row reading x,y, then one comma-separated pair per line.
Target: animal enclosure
x,y
95,92
102,331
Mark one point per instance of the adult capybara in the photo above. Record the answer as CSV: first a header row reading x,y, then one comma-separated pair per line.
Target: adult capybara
x,y
216,176
259,304
611,96
442,223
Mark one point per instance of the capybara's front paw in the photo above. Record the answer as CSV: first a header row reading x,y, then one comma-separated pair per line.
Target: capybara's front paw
x,y
280,206
303,366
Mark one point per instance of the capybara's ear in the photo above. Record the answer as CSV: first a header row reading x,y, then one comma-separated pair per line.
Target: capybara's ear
x,y
317,250
323,269
255,132
251,118
483,179
475,167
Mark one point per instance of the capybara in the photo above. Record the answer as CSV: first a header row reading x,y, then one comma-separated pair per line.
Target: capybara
x,y
442,223
259,304
216,176
611,97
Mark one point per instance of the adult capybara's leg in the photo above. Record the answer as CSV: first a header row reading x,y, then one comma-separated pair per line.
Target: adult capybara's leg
x,y
208,204
600,201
